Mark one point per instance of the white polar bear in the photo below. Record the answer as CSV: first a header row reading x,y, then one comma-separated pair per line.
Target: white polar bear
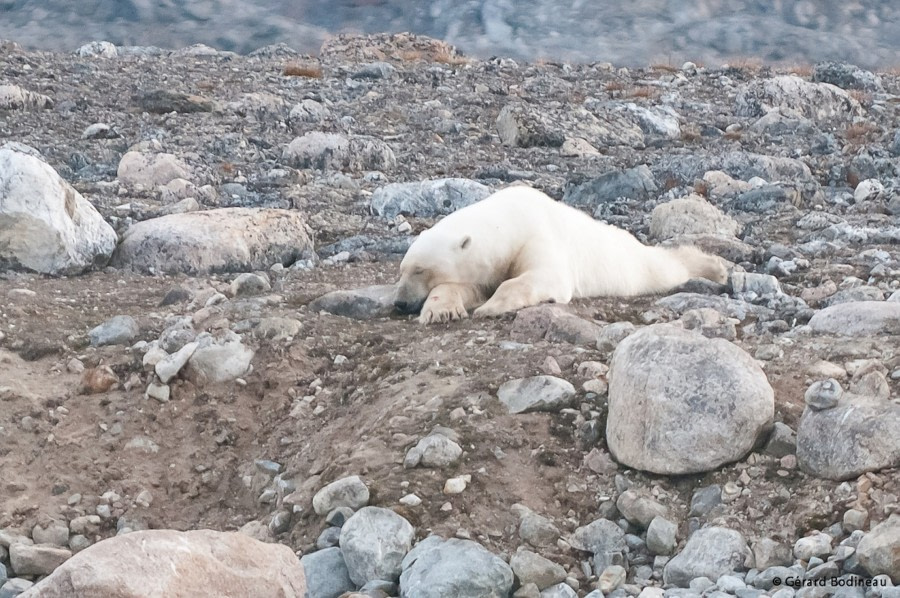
x,y
519,247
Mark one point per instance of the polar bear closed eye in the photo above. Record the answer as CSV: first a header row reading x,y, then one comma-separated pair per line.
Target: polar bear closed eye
x,y
519,247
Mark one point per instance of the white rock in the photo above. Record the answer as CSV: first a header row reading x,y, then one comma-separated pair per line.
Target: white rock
x,y
151,170
13,97
218,359
97,50
45,225
690,215
168,367
868,190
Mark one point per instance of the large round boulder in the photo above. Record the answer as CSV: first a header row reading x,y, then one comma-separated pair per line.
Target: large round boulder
x,y
682,403
221,240
177,564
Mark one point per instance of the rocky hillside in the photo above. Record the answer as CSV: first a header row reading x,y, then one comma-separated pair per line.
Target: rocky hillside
x,y
636,33
197,332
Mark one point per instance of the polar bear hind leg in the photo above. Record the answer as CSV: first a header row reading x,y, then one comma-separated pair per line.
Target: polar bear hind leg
x,y
527,289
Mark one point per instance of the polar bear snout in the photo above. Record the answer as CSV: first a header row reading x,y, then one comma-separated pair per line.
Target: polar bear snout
x,y
408,307
411,294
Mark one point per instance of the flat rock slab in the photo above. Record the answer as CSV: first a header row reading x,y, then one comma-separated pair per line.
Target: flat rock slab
x,y
555,324
537,393
367,303
221,240
858,318
173,564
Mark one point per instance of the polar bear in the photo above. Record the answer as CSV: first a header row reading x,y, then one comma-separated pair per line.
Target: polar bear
x,y
519,247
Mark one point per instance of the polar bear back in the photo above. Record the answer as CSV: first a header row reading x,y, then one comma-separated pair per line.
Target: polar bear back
x,y
520,229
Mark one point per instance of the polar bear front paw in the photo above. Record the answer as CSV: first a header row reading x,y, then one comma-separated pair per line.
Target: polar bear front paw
x,y
438,310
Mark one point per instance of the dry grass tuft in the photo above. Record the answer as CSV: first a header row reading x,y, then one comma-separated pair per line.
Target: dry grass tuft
x,y
863,97
801,70
701,188
644,92
860,133
294,69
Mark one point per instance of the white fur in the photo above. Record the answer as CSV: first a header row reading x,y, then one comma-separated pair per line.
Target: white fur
x,y
520,247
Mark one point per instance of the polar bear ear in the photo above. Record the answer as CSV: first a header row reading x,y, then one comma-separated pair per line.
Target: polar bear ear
x,y
465,242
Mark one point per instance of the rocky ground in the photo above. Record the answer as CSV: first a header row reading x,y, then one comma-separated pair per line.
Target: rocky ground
x,y
865,32
187,379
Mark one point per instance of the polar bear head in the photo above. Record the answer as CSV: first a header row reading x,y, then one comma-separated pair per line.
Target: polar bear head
x,y
436,257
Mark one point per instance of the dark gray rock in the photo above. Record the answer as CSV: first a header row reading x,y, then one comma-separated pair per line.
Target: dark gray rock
x,y
635,183
823,394
326,574
118,330
705,500
846,76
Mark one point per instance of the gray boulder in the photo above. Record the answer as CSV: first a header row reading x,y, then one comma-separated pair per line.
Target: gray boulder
x,y
858,318
326,574
332,151
435,450
520,125
437,568
683,403
879,550
710,552
635,183
118,330
212,241
346,492
219,358
859,434
690,215
427,199
846,76
815,101
554,323
374,541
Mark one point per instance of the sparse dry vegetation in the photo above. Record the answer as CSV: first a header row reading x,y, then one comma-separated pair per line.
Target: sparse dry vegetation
x,y
294,69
